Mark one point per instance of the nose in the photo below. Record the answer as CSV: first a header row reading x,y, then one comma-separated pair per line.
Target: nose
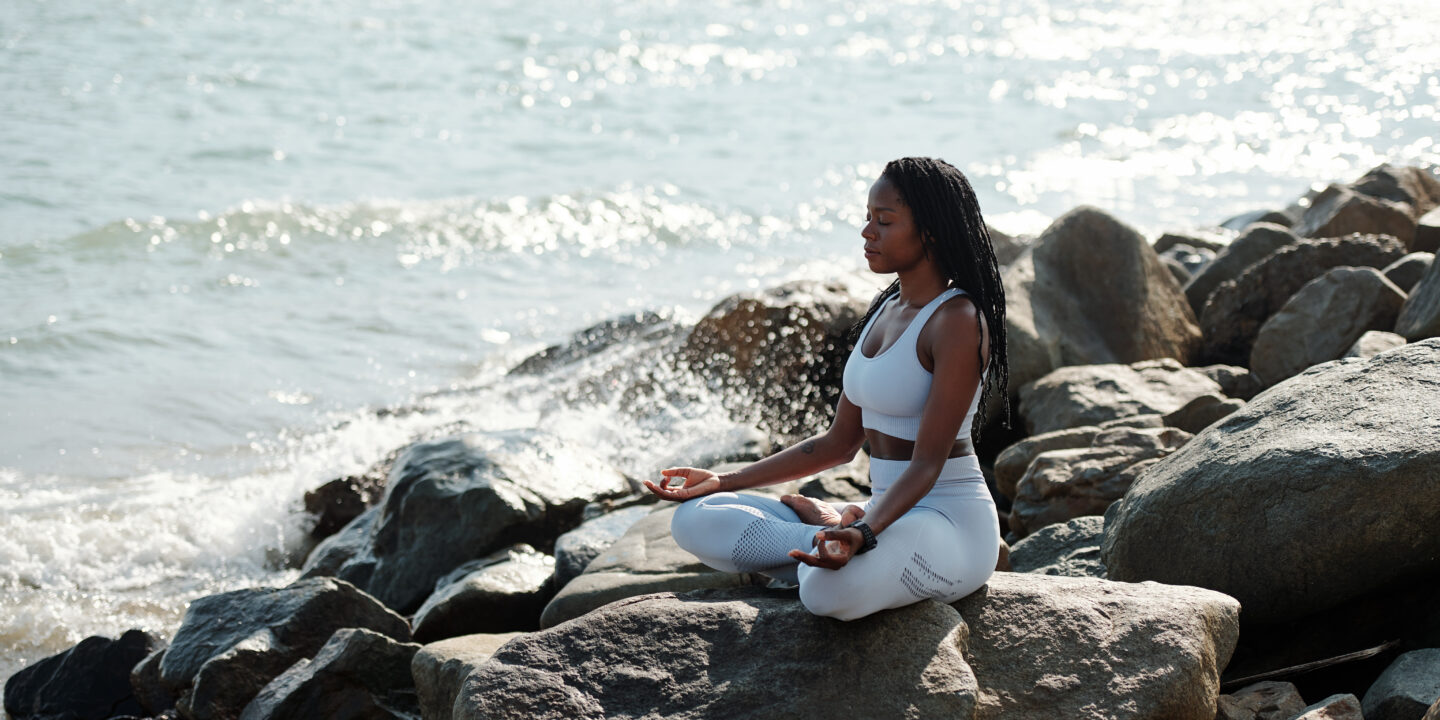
x,y
868,230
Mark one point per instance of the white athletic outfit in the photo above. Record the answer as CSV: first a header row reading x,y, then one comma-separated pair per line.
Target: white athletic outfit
x,y
945,547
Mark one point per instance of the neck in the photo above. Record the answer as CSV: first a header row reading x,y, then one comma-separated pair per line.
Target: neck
x,y
921,284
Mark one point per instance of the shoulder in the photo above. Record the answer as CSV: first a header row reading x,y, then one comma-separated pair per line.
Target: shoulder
x,y
955,314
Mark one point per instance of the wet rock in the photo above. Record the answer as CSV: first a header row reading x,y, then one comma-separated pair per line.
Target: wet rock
x,y
1048,647
1212,242
90,680
150,691
1238,308
1235,381
1407,271
1373,343
1092,394
502,592
1420,315
463,497
1254,244
575,549
1259,490
714,654
1202,412
1343,706
1261,701
1322,320
1012,463
1070,549
338,502
1407,689
1340,211
1416,189
1065,484
641,326
440,668
356,674
342,547
1057,315
1427,233
230,645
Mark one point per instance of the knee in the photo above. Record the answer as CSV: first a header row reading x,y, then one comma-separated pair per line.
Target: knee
x,y
686,524
827,600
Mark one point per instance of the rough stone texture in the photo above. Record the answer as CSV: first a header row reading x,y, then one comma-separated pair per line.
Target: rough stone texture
x,y
1092,394
1202,412
1008,247
1047,647
502,592
1065,484
1406,689
356,674
150,691
1415,188
1235,381
333,552
639,327
1340,211
1434,712
1012,463
1420,316
340,501
575,549
1373,343
644,560
1261,701
1260,490
1427,233
1407,271
1237,308
440,668
729,654
453,500
90,680
1322,320
1257,242
778,354
230,645
1057,314
1071,549
1343,706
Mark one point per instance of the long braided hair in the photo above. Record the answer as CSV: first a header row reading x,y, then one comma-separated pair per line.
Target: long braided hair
x,y
947,216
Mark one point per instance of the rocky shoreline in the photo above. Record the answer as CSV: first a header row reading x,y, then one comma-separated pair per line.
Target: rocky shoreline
x,y
1220,493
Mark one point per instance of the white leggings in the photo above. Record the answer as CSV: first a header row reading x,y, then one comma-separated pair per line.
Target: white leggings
x,y
944,548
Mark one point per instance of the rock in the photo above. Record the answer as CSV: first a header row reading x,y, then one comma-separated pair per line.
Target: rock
x,y
338,502
1213,242
1340,211
1089,395
1202,412
778,354
1322,320
356,674
1433,713
1008,247
1420,315
440,668
463,497
575,549
1372,343
1048,647
644,560
1417,189
1407,271
729,654
1064,484
1255,217
633,328
1262,701
342,547
1190,259
1237,382
1176,268
1256,243
848,483
1407,689
1071,549
89,680
1237,308
1343,706
1259,492
1057,314
230,645
1427,233
152,694
1012,463
502,592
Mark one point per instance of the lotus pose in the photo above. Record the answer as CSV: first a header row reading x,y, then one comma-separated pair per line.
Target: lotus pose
x,y
926,353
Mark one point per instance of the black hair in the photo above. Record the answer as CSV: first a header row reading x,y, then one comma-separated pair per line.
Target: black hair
x,y
947,216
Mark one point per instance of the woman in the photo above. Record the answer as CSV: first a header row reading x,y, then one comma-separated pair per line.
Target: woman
x,y
926,352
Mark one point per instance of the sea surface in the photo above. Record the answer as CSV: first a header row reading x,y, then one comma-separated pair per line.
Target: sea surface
x,y
247,246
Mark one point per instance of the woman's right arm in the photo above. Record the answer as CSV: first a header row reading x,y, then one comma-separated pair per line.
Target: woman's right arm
x,y
820,452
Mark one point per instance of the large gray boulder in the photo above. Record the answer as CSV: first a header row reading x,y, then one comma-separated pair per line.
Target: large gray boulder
x,y
575,549
356,674
335,551
1413,188
1074,397
1071,549
1046,647
502,592
89,681
1092,291
440,668
1420,315
731,654
1407,689
457,499
1257,242
1322,320
1202,412
1237,308
1260,491
230,645
1340,211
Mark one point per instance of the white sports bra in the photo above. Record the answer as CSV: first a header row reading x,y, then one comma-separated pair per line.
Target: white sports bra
x,y
891,388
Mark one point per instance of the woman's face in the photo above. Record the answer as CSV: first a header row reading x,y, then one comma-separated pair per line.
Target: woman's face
x,y
892,243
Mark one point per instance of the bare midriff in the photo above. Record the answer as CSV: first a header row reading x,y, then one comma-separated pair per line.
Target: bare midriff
x,y
887,447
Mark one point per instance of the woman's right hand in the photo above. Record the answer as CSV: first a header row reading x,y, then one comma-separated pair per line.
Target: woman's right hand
x,y
697,482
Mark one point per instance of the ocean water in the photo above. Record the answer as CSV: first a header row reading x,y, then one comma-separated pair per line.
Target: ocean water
x,y
246,247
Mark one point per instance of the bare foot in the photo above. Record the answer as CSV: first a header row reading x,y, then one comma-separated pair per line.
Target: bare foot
x,y
812,511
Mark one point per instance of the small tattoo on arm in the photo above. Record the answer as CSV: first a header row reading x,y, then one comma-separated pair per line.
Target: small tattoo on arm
x,y
808,447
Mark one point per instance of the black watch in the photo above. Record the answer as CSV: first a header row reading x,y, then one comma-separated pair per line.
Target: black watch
x,y
869,535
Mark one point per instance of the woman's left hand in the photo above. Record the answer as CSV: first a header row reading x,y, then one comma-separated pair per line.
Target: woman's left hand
x,y
833,548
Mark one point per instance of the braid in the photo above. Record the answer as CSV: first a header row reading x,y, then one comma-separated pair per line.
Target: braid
x,y
947,216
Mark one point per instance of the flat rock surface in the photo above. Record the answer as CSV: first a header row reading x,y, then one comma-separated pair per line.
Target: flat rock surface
x,y
1071,549
503,592
356,674
440,668
1093,394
